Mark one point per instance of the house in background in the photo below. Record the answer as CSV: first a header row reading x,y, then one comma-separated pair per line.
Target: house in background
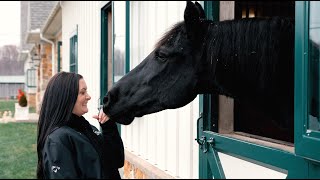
x,y
36,50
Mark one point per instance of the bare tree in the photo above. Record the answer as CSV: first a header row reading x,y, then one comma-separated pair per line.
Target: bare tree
x,y
9,52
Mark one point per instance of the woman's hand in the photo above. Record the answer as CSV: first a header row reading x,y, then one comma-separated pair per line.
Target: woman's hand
x,y
102,117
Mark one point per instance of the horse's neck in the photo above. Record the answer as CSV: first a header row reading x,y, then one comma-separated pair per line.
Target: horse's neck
x,y
248,57
234,52
219,59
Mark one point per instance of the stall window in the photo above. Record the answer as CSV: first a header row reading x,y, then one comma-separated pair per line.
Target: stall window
x,y
119,61
247,118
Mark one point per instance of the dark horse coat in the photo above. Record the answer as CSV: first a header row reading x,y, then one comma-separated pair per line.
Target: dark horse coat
x,y
247,59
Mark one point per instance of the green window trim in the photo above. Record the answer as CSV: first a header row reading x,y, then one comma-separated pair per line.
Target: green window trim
x,y
307,142
104,48
104,51
205,106
59,56
74,52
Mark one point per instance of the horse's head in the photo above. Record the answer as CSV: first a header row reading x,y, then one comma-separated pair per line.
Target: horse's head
x,y
167,78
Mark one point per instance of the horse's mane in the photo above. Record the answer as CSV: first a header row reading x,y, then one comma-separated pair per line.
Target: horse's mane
x,y
249,52
246,53
170,34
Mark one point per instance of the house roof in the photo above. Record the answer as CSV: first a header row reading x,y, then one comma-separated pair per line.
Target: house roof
x,y
38,14
39,11
33,36
53,24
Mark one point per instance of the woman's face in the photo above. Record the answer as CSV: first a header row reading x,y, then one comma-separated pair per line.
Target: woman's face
x,y
80,107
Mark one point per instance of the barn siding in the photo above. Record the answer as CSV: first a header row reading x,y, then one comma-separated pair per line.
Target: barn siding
x,y
164,139
85,15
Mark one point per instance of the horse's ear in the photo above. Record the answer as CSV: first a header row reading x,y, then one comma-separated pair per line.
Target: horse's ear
x,y
202,14
191,19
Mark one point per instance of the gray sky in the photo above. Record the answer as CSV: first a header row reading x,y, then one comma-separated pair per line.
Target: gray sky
x,y
10,22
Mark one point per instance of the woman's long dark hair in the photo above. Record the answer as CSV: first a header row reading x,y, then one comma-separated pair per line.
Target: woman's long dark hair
x,y
56,109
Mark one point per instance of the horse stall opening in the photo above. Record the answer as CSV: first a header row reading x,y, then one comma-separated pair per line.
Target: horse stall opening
x,y
242,117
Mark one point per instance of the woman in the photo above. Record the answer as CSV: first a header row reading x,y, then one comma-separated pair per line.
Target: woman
x,y
67,145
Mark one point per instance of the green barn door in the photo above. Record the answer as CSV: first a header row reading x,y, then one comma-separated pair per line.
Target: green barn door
x,y
209,163
295,159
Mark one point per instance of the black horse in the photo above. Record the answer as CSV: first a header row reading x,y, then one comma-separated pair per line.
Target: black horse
x,y
249,59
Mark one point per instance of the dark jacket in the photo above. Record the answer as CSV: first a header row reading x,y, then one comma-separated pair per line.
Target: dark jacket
x,y
68,153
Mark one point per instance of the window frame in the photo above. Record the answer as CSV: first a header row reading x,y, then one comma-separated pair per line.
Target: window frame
x,y
126,65
307,143
74,52
31,78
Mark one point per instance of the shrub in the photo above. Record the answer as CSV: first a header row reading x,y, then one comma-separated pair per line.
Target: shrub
x,y
22,99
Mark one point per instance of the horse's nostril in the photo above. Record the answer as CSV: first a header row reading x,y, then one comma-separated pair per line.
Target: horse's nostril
x,y
107,99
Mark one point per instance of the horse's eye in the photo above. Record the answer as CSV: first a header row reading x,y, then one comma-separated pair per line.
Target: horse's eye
x,y
161,56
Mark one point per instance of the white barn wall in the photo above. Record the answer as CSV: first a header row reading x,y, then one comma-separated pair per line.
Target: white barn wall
x,y
85,14
165,139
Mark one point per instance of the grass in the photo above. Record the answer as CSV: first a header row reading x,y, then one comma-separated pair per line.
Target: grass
x,y
32,110
7,105
18,152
